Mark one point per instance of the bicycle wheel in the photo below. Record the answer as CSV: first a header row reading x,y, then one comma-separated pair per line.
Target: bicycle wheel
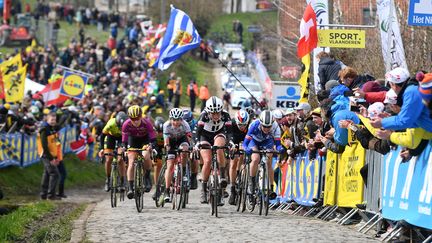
x,y
239,189
114,185
160,187
217,193
245,182
261,188
179,187
139,187
251,199
266,192
211,190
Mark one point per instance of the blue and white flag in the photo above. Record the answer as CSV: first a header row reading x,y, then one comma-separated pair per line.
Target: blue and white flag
x,y
180,37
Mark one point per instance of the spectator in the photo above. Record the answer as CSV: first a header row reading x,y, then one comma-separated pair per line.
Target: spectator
x,y
328,68
50,151
177,92
192,92
170,86
412,113
204,95
351,79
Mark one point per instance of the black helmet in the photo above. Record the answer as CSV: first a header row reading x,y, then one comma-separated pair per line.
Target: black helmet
x,y
159,122
121,117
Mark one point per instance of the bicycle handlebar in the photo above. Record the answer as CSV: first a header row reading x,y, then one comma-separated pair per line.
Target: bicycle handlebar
x,y
265,152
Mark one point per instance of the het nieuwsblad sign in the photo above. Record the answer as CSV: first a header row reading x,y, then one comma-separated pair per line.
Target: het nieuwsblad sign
x,y
341,38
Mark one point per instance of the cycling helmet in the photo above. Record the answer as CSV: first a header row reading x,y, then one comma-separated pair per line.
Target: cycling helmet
x,y
266,118
134,112
176,114
120,118
277,114
159,122
249,110
214,104
241,117
187,115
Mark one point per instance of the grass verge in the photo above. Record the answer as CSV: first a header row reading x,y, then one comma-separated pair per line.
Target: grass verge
x,y
60,230
13,225
223,25
19,183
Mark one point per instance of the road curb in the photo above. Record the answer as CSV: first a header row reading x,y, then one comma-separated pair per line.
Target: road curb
x,y
78,232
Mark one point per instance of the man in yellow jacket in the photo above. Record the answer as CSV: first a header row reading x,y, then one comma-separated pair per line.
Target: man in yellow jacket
x,y
49,149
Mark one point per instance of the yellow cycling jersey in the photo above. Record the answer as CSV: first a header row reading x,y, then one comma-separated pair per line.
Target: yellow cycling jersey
x,y
112,129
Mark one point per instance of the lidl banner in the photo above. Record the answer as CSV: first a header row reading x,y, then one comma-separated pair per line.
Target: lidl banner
x,y
73,84
339,38
407,188
330,178
350,183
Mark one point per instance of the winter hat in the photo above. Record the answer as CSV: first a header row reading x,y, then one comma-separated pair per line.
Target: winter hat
x,y
391,97
419,76
372,86
425,88
375,109
331,84
397,75
316,112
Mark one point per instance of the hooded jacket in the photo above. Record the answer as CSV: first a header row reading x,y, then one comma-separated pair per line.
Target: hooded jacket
x,y
328,70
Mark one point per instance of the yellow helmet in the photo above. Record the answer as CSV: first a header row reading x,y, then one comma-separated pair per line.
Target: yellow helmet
x,y
134,112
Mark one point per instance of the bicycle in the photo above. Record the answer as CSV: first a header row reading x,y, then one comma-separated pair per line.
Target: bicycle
x,y
180,183
239,187
114,183
139,179
160,187
262,192
214,186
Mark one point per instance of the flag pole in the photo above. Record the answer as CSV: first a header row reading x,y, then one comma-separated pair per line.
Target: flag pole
x,y
232,73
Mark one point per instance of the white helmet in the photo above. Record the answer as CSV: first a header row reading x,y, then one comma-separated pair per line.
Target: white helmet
x,y
176,114
266,118
277,114
397,75
214,104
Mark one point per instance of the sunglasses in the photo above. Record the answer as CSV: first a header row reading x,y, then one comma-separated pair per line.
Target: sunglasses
x,y
178,119
135,119
267,126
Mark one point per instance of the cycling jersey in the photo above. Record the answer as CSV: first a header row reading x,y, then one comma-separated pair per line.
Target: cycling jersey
x,y
134,136
256,137
207,129
176,133
112,129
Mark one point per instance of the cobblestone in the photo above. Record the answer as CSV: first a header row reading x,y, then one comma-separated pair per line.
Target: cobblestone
x,y
195,224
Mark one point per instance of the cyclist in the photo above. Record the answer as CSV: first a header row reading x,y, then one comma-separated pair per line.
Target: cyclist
x,y
214,128
177,135
263,134
112,135
240,127
136,133
158,124
188,117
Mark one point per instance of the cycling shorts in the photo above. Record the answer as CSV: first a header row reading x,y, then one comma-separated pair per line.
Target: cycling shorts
x,y
137,142
210,137
264,145
110,142
175,145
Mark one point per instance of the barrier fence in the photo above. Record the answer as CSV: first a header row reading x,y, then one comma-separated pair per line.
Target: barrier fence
x,y
401,190
19,149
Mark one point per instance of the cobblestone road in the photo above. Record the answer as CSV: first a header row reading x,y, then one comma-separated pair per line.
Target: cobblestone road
x,y
194,224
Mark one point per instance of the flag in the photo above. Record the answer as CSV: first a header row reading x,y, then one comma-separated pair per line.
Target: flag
x,y
10,66
304,80
180,37
14,85
79,148
51,93
308,33
391,40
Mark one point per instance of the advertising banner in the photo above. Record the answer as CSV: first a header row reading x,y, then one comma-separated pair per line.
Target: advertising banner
x,y
340,38
350,183
330,179
285,95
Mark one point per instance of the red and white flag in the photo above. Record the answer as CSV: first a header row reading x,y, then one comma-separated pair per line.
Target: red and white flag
x,y
308,33
51,93
79,148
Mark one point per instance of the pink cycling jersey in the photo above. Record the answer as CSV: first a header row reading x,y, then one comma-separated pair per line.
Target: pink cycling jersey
x,y
145,129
